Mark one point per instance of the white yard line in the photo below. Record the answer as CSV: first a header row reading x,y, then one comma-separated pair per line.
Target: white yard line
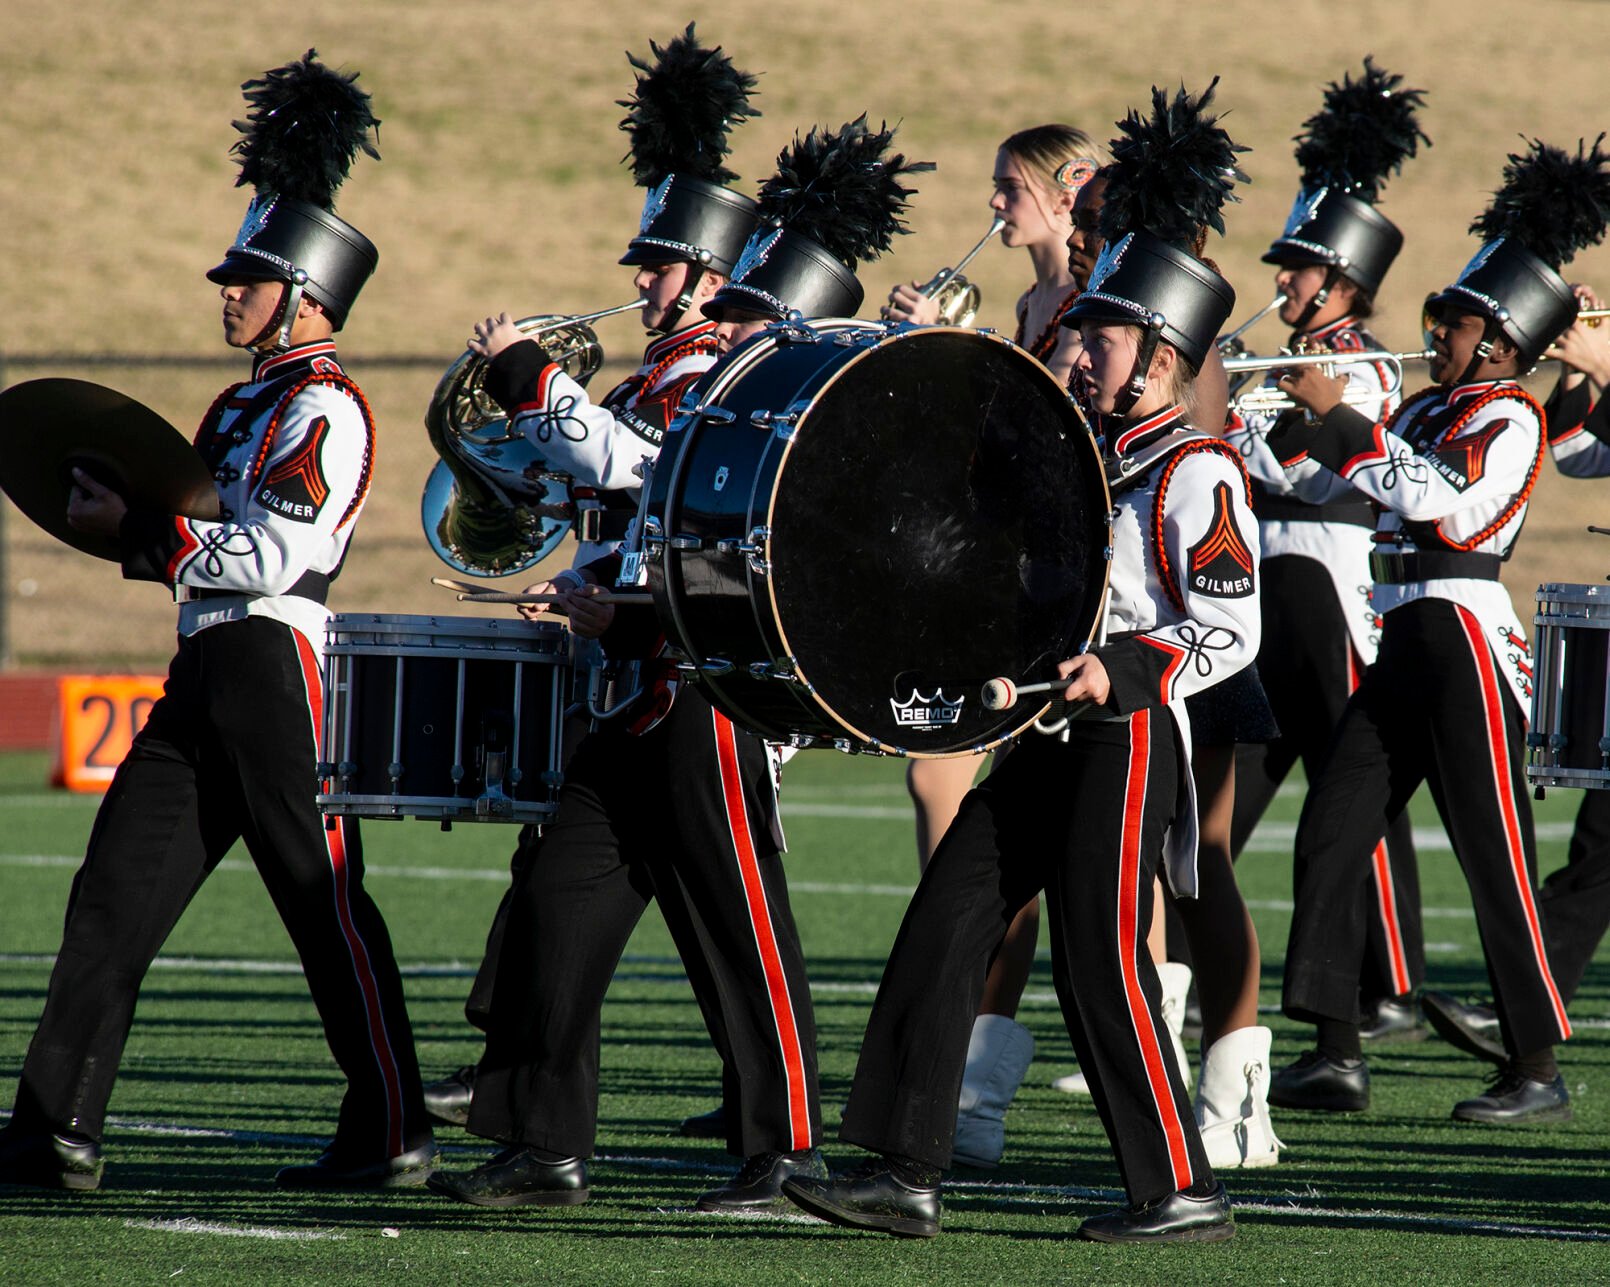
x,y
189,1224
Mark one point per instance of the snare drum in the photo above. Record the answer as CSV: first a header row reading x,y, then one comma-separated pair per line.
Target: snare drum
x,y
858,525
1568,744
449,718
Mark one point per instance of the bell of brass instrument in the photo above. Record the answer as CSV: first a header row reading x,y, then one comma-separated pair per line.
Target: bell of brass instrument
x,y
958,298
1268,399
491,506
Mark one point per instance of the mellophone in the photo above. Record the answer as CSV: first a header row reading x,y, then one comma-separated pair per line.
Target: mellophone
x,y
847,528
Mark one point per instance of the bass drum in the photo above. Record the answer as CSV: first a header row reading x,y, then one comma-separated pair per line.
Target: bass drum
x,y
1568,744
860,525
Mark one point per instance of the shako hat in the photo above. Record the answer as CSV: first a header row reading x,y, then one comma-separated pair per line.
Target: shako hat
x,y
1550,206
686,103
304,129
1170,176
835,201
1362,134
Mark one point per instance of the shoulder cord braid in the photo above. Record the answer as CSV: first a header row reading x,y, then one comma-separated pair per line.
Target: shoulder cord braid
x,y
1165,570
343,383
1517,394
686,349
1046,343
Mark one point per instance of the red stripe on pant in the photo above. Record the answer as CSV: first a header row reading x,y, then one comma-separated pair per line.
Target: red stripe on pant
x,y
771,964
1386,894
335,848
1131,942
1493,719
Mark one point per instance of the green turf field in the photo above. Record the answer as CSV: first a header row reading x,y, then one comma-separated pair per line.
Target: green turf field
x,y
227,1077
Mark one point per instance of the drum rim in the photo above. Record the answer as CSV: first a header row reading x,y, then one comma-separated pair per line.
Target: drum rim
x,y
891,336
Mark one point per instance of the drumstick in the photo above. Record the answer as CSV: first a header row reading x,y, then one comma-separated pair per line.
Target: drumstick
x,y
462,587
1001,692
608,596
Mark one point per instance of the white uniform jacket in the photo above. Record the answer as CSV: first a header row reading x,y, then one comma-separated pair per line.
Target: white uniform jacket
x,y
600,444
1290,524
1452,475
291,451
1182,610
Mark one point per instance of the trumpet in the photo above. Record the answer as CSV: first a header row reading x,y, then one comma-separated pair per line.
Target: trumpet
x,y
1268,399
1593,316
491,506
958,298
1230,345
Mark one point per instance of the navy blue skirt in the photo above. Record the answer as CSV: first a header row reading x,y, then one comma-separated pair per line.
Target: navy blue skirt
x,y
1233,710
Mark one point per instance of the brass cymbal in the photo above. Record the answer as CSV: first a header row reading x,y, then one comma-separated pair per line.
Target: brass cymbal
x,y
49,426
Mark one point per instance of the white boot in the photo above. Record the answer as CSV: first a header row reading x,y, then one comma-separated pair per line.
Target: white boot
x,y
1232,1101
1176,981
998,1056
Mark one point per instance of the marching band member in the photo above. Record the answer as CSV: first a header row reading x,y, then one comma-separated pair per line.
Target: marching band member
x,y
1038,174
1446,698
1212,934
671,802
228,752
692,230
1574,900
1086,812
1319,631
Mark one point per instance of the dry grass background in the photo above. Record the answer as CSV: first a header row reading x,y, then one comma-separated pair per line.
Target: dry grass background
x,y
501,187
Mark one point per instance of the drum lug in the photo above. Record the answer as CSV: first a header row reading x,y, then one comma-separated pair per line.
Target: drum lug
x,y
751,547
780,423
795,331
685,541
783,670
653,538
711,668
709,411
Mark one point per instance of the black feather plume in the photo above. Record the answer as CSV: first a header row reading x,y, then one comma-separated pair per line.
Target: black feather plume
x,y
1553,203
303,131
687,101
842,190
1171,173
1365,131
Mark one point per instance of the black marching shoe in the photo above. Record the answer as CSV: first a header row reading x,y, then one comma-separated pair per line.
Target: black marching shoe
x,y
1514,1099
49,1161
1326,1085
1392,1019
706,1126
448,1100
514,1178
870,1197
1471,1028
1179,1217
758,1186
335,1170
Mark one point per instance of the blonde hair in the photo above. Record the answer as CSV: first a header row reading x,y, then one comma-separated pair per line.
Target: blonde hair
x,y
1051,153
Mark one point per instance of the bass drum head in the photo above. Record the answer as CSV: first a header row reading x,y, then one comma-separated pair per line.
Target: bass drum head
x,y
940,520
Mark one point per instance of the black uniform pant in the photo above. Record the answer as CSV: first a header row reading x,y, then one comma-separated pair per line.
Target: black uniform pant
x,y
679,815
1433,708
227,753
1309,670
1085,821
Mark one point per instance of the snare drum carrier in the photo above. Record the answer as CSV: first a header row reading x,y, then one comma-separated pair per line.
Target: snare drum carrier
x,y
856,525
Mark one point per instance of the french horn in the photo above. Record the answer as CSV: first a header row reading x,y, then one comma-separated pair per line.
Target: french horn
x,y
491,506
958,298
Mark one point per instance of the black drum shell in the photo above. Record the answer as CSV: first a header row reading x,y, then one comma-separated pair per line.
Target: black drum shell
x,y
891,516
1568,741
412,704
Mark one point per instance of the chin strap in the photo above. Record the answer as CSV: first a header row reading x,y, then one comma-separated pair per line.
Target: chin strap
x,y
683,302
1333,274
1130,393
276,336
1490,331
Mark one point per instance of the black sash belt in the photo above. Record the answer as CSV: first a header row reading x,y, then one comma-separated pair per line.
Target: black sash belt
x,y
310,585
1389,567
